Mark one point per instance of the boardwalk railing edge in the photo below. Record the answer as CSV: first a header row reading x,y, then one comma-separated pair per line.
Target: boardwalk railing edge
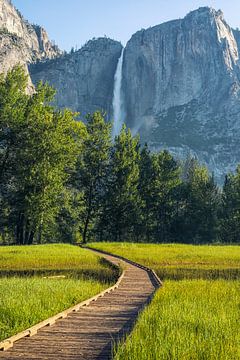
x,y
9,342
149,270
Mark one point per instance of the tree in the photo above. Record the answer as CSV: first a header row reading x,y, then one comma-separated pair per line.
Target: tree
x,y
159,182
201,201
50,153
40,147
92,169
13,104
230,209
122,202
145,187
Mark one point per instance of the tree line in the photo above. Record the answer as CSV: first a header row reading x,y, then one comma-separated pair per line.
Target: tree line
x,y
63,180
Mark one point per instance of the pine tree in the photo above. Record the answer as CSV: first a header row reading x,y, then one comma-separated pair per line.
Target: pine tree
x,y
230,209
165,183
199,213
92,169
122,201
146,193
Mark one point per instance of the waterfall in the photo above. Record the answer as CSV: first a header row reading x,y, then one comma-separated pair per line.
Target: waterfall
x,y
118,113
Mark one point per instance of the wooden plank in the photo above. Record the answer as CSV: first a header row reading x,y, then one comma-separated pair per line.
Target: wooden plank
x,y
88,330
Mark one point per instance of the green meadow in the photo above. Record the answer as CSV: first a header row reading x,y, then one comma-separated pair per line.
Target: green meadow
x,y
195,315
39,281
178,261
190,320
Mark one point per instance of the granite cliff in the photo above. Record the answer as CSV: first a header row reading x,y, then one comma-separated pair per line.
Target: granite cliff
x,y
181,88
21,42
180,80
84,79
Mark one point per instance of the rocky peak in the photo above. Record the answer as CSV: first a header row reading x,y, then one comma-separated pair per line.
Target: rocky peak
x,y
84,78
21,42
11,19
208,19
101,43
47,48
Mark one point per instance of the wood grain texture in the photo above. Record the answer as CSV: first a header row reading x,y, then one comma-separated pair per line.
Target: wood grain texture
x,y
90,332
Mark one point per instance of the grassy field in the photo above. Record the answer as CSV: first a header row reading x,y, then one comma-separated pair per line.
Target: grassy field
x,y
195,316
188,320
177,261
53,259
28,296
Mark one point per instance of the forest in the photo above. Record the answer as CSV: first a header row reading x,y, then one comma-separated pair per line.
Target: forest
x,y
63,180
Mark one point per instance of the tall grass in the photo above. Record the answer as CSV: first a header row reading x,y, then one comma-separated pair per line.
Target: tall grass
x,y
28,296
177,261
50,257
188,320
27,301
54,259
191,319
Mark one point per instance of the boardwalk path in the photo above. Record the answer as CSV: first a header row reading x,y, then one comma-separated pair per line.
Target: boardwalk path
x,y
89,333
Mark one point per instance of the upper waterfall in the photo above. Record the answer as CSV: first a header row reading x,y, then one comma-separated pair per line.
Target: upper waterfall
x,y
118,113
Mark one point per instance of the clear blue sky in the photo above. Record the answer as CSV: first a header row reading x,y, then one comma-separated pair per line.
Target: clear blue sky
x,y
73,22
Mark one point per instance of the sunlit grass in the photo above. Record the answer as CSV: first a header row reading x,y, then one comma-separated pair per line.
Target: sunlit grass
x,y
190,319
51,257
176,261
28,296
27,301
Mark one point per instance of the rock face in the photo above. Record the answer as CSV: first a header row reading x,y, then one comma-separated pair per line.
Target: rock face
x,y
181,82
21,42
84,79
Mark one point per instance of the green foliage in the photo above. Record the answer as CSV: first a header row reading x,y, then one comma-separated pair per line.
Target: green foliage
x,y
39,147
121,203
13,103
158,187
199,204
63,180
91,172
230,209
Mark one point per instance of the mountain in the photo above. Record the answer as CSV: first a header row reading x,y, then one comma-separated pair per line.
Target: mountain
x,y
21,42
84,79
180,80
181,86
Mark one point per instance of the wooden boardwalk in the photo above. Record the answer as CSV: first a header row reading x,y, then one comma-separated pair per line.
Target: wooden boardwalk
x,y
90,333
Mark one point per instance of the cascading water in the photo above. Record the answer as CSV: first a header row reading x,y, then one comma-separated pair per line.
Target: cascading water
x,y
117,98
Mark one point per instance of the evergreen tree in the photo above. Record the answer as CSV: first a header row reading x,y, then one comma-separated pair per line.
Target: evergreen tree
x,y
146,193
200,205
167,182
158,188
230,209
92,169
122,202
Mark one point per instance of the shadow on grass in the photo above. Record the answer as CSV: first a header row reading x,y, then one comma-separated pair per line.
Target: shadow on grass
x,y
108,274
198,273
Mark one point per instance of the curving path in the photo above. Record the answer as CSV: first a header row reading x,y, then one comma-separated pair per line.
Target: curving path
x,y
90,333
